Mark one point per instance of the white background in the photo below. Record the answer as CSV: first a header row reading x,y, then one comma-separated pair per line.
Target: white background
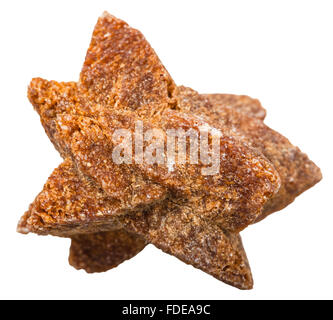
x,y
278,51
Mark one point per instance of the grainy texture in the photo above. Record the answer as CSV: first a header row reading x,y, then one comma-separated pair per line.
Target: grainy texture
x,y
233,198
99,252
241,103
171,226
91,208
81,124
71,204
194,217
121,71
297,172
56,103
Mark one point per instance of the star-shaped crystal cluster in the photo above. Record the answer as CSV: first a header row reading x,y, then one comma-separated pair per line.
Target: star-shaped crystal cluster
x,y
110,210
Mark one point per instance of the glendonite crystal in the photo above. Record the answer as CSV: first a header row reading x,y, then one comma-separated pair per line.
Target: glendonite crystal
x,y
111,211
